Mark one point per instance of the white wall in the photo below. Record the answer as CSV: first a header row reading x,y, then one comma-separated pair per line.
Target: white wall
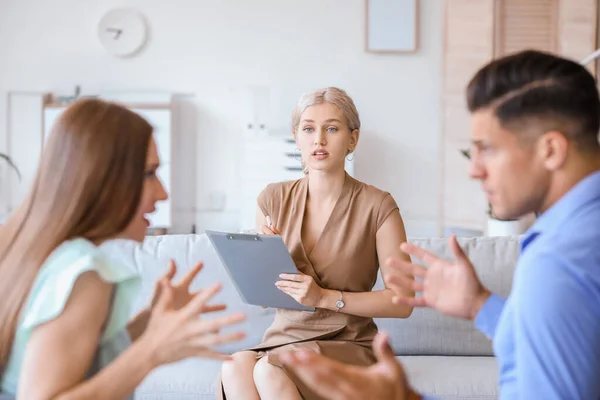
x,y
217,51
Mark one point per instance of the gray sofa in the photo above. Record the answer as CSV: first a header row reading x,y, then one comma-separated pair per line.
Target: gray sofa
x,y
443,356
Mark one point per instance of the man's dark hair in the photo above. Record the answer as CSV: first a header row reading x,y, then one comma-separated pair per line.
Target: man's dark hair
x,y
556,93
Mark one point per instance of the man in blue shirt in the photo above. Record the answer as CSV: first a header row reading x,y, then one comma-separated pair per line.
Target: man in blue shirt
x,y
535,120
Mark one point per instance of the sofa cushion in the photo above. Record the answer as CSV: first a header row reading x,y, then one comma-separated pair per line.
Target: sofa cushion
x,y
427,332
191,379
447,378
453,378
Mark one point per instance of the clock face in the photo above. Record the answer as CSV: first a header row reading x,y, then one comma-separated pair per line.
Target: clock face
x,y
122,32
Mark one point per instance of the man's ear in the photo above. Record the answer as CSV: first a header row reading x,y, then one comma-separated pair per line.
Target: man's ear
x,y
553,147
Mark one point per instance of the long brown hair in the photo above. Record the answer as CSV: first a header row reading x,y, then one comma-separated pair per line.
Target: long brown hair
x,y
88,184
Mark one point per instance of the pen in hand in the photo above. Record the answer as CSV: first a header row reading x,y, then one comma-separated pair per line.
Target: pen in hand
x,y
268,228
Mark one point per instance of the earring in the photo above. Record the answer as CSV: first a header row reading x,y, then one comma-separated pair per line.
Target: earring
x,y
304,168
298,153
348,156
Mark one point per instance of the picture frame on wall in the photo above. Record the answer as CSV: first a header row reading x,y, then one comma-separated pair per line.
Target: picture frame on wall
x,y
391,26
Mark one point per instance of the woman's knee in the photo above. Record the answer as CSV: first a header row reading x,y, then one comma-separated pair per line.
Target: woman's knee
x,y
261,370
242,365
267,374
273,382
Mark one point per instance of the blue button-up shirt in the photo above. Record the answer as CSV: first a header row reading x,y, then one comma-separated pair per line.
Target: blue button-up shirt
x,y
547,333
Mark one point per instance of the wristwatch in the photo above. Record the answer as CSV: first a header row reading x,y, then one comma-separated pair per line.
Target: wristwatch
x,y
340,303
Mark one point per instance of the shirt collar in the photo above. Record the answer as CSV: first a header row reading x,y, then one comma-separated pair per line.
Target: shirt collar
x,y
585,190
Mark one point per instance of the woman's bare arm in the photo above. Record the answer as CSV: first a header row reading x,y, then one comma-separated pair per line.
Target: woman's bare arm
x,y
60,352
376,304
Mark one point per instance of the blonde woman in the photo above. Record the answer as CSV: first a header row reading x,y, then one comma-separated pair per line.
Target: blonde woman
x,y
339,231
64,331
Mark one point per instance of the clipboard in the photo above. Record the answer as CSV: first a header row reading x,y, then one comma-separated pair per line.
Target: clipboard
x,y
254,263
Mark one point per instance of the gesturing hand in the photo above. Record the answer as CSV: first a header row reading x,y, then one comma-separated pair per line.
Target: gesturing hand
x,y
175,334
301,287
181,290
452,288
336,381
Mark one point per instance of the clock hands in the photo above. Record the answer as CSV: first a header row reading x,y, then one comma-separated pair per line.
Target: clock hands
x,y
116,31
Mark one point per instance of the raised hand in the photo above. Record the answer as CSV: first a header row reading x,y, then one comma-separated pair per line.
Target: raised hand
x,y
175,334
181,290
452,288
336,381
301,287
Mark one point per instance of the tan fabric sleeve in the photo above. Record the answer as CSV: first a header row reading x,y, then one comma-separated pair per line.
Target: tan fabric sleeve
x,y
265,200
386,207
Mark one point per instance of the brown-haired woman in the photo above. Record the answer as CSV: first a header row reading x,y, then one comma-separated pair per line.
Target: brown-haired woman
x,y
65,304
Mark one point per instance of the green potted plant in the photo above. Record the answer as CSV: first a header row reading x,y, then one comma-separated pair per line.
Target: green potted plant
x,y
502,227
10,162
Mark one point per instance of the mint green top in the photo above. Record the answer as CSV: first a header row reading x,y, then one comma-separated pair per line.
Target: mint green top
x,y
52,288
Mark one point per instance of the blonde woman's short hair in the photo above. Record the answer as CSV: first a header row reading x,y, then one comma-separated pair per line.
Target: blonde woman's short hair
x,y
333,95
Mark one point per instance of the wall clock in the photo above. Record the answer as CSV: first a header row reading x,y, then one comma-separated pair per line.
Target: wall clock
x,y
123,32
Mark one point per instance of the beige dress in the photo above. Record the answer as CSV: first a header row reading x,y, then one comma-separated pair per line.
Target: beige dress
x,y
343,258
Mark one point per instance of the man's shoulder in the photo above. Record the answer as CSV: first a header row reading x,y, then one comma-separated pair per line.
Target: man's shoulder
x,y
571,249
578,238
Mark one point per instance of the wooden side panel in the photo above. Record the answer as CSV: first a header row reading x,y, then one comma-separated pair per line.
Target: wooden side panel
x,y
468,45
526,24
577,29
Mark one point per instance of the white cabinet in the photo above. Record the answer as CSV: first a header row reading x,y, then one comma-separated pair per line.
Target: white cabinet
x,y
160,119
267,159
264,160
51,114
24,145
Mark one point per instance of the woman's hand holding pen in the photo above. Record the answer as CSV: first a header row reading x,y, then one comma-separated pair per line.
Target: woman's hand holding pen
x,y
268,228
